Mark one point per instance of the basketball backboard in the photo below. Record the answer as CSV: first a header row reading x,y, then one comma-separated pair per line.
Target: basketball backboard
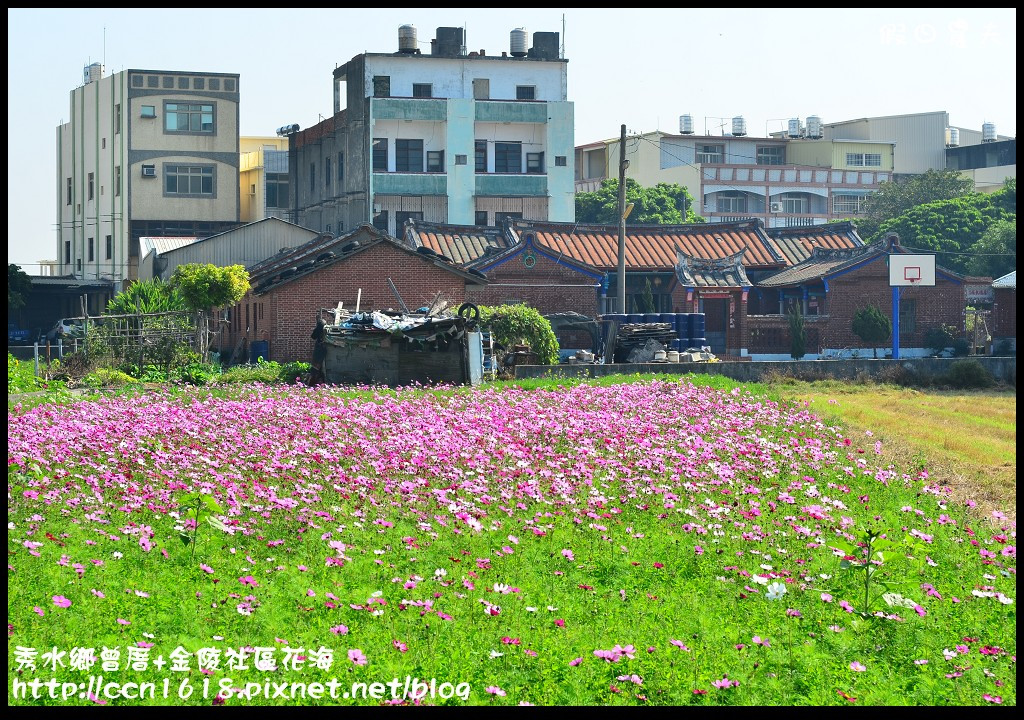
x,y
911,270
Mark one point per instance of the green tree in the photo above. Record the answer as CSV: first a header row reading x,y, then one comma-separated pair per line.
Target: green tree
x,y
872,326
147,296
664,204
647,298
513,324
209,287
18,287
899,195
995,253
797,333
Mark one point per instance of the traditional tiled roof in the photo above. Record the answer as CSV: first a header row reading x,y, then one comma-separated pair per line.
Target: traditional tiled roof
x,y
464,244
652,247
724,272
322,252
1006,281
797,243
823,262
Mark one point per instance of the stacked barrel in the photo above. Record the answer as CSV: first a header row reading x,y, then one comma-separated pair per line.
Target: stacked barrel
x,y
688,327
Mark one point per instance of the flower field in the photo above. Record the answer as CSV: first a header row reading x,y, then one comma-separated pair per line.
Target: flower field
x,y
655,542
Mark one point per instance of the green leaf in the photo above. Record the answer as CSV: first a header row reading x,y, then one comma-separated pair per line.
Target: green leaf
x,y
185,538
845,564
212,504
217,524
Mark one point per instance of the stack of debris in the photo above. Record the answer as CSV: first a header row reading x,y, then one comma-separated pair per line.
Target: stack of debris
x,y
634,341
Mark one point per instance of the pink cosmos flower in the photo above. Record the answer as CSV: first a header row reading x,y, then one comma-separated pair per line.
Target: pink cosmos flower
x,y
39,611
857,666
206,568
122,621
248,580
340,630
678,643
825,597
302,568
495,690
568,555
357,657
400,646
61,601
846,606
560,623
997,699
575,662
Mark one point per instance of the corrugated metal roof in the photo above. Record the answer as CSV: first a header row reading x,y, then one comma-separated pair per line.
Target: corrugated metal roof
x,y
163,244
797,244
1006,281
462,243
69,281
653,247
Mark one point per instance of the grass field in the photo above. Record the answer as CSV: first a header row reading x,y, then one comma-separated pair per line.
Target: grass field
x,y
631,541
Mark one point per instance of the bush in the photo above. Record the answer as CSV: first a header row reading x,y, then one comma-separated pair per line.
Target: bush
x,y
513,324
264,371
968,374
290,372
107,377
901,375
797,334
961,347
872,326
196,373
1003,348
939,338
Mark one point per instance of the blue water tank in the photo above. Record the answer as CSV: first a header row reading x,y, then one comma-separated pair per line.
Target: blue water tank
x,y
259,349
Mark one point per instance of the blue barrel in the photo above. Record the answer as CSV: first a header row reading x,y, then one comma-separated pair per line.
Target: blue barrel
x,y
669,318
676,344
259,349
634,318
696,342
651,317
682,327
696,325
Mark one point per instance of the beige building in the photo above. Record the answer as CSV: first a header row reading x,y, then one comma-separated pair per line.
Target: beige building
x,y
145,153
263,178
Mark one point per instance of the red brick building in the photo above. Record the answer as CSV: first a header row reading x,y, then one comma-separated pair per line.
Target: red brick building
x,y
1004,311
291,288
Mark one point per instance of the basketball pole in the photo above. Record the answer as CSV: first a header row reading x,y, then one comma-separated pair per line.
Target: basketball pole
x,y
895,322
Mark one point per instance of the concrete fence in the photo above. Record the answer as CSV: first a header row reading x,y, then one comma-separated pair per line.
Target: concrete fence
x,y
1003,369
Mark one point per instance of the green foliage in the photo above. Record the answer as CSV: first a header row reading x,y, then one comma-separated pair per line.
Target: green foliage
x,y
647,298
968,373
512,324
147,296
265,371
108,377
797,334
995,253
18,287
897,196
939,337
20,376
951,228
664,204
872,326
207,286
193,505
195,373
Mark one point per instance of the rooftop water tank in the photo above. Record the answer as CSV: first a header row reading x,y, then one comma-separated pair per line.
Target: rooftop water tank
x,y
93,73
988,132
794,128
686,124
739,126
518,40
814,128
407,39
952,137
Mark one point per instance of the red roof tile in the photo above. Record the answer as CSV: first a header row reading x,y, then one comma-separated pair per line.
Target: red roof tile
x,y
797,244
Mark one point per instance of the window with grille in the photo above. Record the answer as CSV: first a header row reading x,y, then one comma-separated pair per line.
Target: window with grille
x,y
188,180
381,85
422,90
731,202
508,157
710,154
849,204
526,92
380,154
409,155
188,118
535,163
435,161
771,155
480,150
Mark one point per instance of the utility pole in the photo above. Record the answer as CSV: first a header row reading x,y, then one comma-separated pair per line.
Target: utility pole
x,y
620,284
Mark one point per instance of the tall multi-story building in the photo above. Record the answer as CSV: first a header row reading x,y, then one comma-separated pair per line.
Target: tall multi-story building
x,y
449,136
784,182
263,178
145,153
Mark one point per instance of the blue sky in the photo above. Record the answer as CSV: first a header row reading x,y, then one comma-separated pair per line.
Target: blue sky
x,y
641,67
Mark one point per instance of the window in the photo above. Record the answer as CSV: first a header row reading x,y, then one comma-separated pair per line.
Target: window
x,y
117,181
849,204
560,161
229,84
168,83
199,84
508,157
480,218
864,159
188,180
327,173
69,192
461,159
381,85
908,316
109,247
795,206
341,167
526,92
117,118
277,190
710,154
215,83
480,151
409,155
380,220
731,202
401,217
435,161
148,111
481,89
771,155
188,118
91,249
422,90
380,154
92,185
535,163
183,83
78,264
152,81
67,252
312,176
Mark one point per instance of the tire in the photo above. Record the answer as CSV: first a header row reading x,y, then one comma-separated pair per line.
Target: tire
x,y
469,311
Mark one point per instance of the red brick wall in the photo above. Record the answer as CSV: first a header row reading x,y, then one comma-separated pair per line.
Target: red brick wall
x,y
575,296
1004,313
942,304
290,311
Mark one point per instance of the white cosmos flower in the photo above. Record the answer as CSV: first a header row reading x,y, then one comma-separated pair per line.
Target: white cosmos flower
x,y
118,555
496,654
775,591
502,588
531,609
766,567
551,608
440,573
760,579
377,593
377,613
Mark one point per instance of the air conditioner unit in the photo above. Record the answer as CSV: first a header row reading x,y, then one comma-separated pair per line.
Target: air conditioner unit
x,y
777,207
148,171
